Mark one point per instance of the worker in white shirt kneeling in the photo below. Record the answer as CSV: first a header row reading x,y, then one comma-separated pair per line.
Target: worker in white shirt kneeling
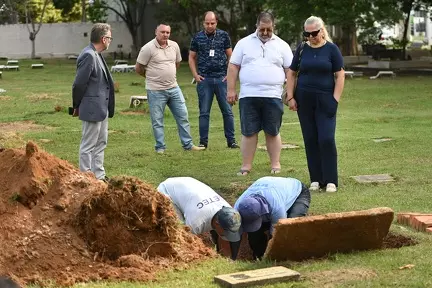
x,y
203,210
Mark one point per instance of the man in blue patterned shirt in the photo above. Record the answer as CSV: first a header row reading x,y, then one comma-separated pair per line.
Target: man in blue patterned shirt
x,y
210,50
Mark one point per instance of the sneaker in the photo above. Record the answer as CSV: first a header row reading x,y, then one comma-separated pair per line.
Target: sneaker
x,y
233,145
196,148
314,186
203,145
331,188
104,179
160,151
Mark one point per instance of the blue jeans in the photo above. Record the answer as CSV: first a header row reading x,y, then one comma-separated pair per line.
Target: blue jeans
x,y
206,89
173,97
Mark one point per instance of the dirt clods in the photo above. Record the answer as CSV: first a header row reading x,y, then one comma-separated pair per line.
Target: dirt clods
x,y
60,225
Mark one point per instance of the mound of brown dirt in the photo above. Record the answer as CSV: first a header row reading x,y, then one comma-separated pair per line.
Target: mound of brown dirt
x,y
131,217
59,224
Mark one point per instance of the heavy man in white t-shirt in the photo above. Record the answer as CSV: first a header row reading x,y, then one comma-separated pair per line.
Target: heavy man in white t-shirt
x,y
203,210
261,60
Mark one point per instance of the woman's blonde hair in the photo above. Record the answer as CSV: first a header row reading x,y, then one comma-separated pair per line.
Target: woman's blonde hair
x,y
320,25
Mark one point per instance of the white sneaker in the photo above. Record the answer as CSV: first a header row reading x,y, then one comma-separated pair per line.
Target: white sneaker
x,y
331,188
160,151
314,186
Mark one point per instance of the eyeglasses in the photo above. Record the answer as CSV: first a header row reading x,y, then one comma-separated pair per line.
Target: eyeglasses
x,y
265,30
313,33
110,38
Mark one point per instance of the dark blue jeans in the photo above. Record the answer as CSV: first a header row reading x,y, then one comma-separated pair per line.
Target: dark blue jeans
x,y
317,116
206,89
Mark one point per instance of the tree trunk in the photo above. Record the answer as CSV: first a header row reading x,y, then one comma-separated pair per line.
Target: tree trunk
x,y
83,11
354,43
33,53
405,36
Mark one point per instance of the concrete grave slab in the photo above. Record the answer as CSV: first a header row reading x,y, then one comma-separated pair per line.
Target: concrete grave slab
x,y
119,62
136,100
404,218
36,66
381,73
318,236
379,140
285,146
377,178
257,277
13,67
421,223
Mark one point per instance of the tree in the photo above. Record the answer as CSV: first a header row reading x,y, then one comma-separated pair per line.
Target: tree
x,y
406,6
349,17
237,17
71,10
96,13
10,11
34,14
131,12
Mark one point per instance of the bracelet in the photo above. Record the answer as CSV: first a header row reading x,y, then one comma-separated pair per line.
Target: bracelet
x,y
290,99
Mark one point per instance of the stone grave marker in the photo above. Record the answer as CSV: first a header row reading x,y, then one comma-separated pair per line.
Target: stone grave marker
x,y
285,146
377,178
257,277
321,235
379,140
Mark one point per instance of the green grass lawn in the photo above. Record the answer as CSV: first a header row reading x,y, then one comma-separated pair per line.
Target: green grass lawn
x,y
398,108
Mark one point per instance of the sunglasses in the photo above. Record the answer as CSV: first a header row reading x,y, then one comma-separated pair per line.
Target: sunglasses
x,y
313,33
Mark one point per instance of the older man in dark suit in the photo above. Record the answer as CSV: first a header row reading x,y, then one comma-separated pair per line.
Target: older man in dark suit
x,y
93,100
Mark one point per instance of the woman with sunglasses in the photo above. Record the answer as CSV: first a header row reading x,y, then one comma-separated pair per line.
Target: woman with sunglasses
x,y
314,87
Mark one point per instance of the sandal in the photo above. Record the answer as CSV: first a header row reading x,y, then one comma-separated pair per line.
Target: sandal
x,y
243,172
275,171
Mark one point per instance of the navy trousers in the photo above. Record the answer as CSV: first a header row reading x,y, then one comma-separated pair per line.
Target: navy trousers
x,y
317,116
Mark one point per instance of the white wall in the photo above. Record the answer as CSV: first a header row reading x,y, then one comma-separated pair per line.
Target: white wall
x,y
57,40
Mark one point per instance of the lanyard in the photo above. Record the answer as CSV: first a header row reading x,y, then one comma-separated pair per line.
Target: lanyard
x,y
214,36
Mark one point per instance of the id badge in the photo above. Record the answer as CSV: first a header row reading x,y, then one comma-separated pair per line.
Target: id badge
x,y
211,54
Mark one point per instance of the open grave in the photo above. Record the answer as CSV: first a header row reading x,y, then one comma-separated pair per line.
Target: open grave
x,y
59,224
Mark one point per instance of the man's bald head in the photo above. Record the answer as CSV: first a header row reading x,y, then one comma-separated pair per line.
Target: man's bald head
x,y
210,22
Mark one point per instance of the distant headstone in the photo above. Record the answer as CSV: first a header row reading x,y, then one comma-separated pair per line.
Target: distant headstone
x,y
381,73
377,178
11,67
72,57
9,62
136,101
285,146
2,90
257,277
36,66
119,62
379,140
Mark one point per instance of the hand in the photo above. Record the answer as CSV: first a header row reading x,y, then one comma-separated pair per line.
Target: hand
x,y
292,104
198,78
224,79
232,97
336,98
75,113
